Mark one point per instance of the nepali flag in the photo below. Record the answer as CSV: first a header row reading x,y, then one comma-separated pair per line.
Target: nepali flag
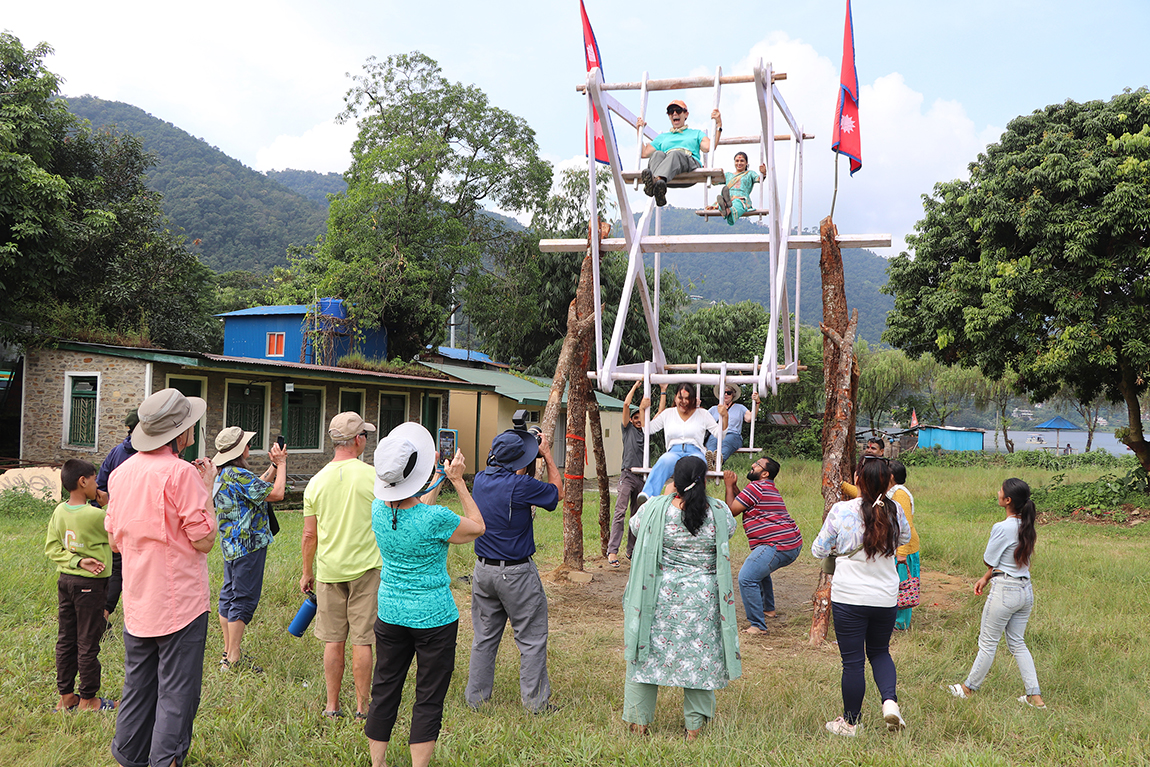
x,y
913,418
591,50
846,139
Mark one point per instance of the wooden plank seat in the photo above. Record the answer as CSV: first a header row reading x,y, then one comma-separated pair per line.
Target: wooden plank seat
x,y
641,470
691,178
712,212
749,450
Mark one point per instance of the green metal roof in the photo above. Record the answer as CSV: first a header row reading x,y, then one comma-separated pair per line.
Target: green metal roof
x,y
513,387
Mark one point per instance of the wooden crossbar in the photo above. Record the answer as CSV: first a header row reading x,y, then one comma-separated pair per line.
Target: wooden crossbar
x,y
727,140
641,470
709,243
690,178
682,83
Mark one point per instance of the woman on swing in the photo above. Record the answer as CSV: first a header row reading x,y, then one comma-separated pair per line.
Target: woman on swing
x,y
684,427
735,198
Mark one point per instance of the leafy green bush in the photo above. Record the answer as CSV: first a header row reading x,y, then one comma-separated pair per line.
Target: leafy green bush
x,y
22,504
1029,459
1104,497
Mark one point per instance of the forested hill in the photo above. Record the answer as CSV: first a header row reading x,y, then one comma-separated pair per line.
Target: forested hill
x,y
734,277
242,218
312,185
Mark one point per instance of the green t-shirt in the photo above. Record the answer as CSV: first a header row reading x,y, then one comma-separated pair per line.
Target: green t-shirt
x,y
339,496
688,139
76,532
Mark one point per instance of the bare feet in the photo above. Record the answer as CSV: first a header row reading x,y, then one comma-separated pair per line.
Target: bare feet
x,y
638,729
693,734
753,631
771,614
68,702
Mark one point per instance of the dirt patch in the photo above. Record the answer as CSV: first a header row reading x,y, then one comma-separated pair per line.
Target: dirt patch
x,y
1128,515
598,605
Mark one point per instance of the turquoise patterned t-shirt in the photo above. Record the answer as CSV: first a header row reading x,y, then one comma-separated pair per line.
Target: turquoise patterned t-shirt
x,y
241,512
414,587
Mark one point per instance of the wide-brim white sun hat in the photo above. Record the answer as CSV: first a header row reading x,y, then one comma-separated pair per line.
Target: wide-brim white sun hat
x,y
404,461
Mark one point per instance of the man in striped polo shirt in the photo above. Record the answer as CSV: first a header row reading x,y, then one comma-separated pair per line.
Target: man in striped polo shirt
x,y
774,538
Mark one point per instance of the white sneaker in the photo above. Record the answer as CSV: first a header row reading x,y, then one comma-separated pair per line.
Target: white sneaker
x,y
956,690
892,716
840,727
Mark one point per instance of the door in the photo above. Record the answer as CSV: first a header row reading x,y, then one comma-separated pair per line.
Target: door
x,y
191,387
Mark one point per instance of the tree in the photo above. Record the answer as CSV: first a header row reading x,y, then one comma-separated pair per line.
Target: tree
x,y
998,393
1041,261
884,375
411,226
1089,412
85,250
944,389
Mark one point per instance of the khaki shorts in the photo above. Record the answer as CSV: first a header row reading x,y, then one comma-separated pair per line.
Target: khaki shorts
x,y
347,611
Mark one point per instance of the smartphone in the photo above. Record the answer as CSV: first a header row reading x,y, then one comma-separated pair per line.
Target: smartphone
x,y
281,441
448,442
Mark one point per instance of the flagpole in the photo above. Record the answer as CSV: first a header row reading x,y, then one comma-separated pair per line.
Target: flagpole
x,y
835,196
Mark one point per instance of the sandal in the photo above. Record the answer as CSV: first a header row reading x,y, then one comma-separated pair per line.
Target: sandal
x,y
613,562
337,714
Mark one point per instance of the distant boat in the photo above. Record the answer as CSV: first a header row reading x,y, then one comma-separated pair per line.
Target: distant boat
x,y
1035,439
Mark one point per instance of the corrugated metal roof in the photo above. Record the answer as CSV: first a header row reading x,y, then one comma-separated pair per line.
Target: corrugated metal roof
x,y
516,388
467,355
264,310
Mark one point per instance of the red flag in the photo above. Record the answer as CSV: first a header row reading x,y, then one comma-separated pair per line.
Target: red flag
x,y
846,139
591,51
913,418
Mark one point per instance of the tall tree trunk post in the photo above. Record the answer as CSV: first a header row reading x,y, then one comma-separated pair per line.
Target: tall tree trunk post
x,y
600,473
572,365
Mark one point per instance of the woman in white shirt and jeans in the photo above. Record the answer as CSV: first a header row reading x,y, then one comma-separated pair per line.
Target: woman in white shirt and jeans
x,y
863,534
1011,597
684,427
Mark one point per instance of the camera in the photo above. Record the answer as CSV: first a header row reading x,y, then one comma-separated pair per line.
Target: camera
x,y
519,423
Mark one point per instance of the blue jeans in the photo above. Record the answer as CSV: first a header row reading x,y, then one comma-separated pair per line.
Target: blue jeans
x,y
863,633
1006,611
731,444
664,468
755,581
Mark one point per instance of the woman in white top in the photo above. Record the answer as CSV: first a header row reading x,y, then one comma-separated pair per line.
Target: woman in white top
x,y
1011,597
863,534
684,427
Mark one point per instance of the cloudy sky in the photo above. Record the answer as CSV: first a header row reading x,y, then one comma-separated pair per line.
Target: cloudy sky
x,y
263,79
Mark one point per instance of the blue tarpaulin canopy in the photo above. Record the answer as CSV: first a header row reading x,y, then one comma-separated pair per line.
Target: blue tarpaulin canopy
x,y
1057,424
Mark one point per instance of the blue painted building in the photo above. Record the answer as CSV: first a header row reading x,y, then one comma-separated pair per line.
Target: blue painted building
x,y
278,333
950,438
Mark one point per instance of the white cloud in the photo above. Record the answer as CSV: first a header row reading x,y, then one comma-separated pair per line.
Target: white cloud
x,y
325,148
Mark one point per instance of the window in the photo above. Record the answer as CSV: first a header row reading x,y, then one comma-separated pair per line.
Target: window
x,y
351,401
82,402
392,411
303,419
275,344
432,407
246,408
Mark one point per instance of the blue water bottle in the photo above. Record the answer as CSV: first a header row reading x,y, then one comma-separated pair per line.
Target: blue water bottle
x,y
303,618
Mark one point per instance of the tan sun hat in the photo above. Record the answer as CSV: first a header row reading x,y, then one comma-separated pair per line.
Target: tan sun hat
x,y
164,416
348,426
231,443
719,391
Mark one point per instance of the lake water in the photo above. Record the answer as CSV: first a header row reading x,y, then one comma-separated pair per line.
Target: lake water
x,y
1103,440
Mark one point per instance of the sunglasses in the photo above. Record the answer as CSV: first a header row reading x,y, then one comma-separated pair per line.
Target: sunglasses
x,y
676,111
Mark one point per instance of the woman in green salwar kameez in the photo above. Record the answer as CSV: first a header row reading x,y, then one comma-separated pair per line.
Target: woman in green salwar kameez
x,y
735,198
678,607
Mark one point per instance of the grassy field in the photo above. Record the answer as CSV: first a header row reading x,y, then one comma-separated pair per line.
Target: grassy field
x,y
1086,635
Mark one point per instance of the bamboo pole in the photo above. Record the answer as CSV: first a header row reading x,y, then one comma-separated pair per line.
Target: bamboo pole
x,y
682,83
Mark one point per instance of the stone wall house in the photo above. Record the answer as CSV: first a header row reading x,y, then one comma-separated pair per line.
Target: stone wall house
x,y
75,398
